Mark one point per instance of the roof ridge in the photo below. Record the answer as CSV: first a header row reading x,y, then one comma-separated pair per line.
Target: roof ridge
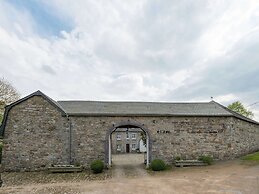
x,y
133,102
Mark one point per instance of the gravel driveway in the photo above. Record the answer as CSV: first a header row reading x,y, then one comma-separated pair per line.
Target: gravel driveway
x,y
229,177
128,165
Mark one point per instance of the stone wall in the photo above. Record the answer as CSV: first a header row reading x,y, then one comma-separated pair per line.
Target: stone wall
x,y
187,137
35,136
88,139
241,138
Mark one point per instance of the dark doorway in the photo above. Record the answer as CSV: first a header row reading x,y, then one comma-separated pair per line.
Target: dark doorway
x,y
127,148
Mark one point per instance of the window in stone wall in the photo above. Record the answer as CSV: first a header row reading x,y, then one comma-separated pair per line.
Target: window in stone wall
x,y
118,147
118,136
133,135
133,146
127,135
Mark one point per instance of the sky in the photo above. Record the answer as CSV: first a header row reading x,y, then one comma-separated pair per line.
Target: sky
x,y
139,50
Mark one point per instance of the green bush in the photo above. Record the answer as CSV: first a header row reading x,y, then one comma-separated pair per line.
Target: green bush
x,y
158,165
77,164
97,166
177,158
1,118
206,159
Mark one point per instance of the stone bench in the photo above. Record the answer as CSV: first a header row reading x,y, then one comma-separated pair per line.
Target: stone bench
x,y
65,168
184,163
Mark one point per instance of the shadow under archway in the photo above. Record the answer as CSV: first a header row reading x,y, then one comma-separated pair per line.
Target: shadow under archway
x,y
126,124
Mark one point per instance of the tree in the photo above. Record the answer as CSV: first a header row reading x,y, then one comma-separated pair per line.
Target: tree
x,y
239,108
143,137
8,94
1,118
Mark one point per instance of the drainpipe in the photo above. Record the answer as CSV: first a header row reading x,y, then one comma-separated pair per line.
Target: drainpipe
x,y
70,140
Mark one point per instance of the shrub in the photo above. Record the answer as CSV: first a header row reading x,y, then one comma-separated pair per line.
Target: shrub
x,y
206,159
1,118
158,165
177,158
97,166
77,164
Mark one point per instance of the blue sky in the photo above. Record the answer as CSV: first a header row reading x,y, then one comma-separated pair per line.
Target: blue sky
x,y
143,50
46,22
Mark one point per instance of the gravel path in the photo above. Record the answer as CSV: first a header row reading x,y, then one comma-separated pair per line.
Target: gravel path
x,y
128,165
230,177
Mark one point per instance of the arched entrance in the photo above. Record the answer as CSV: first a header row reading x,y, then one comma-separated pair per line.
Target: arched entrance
x,y
127,124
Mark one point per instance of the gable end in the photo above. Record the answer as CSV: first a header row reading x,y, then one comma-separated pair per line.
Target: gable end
x,y
37,93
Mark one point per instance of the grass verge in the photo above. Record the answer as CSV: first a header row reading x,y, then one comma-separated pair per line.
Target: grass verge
x,y
251,158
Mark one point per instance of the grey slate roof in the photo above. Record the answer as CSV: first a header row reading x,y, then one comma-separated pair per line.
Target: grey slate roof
x,y
95,108
142,108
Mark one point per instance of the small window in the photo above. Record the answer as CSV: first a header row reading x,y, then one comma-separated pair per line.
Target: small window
x,y
133,135
118,147
133,146
127,135
118,136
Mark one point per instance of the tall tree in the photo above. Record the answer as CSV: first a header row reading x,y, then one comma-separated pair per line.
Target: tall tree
x,y
8,94
144,138
239,108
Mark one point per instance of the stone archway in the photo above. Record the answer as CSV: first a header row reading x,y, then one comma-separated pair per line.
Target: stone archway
x,y
127,123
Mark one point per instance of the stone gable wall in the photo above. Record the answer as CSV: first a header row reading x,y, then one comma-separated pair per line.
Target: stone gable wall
x,y
35,136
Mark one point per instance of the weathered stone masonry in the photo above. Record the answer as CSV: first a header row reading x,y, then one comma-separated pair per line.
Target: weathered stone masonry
x,y
37,134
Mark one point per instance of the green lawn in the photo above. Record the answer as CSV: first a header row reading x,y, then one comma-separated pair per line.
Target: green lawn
x,y
254,157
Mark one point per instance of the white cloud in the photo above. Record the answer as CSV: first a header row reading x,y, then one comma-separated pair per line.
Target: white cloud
x,y
229,27
255,110
229,98
136,50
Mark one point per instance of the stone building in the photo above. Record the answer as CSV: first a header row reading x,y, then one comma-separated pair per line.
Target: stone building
x,y
126,140
38,131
